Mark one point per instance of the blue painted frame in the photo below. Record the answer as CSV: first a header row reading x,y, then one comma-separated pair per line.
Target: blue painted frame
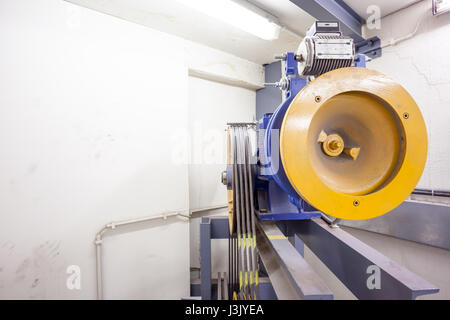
x,y
284,203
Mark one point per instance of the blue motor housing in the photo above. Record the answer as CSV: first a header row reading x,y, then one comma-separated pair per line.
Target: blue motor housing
x,y
276,199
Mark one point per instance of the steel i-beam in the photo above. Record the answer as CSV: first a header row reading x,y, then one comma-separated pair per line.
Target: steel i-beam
x,y
291,276
353,262
350,22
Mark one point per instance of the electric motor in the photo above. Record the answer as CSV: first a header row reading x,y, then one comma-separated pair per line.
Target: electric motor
x,y
324,49
317,55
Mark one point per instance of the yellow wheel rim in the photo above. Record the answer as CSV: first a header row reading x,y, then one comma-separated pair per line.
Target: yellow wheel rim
x,y
231,219
384,143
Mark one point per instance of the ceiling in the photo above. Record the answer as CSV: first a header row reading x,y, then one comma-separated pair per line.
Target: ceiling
x,y
387,6
172,17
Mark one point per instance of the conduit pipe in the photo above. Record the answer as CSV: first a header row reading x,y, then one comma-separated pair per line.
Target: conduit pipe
x,y
432,192
393,41
113,225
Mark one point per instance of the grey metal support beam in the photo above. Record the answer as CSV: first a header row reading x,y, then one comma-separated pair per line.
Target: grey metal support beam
x,y
350,22
330,10
205,258
423,222
210,228
304,283
219,227
298,245
280,282
266,291
353,262
219,286
225,286
293,238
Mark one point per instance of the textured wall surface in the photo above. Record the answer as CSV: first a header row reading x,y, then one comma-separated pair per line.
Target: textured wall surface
x,y
422,66
211,106
79,96
90,133
88,123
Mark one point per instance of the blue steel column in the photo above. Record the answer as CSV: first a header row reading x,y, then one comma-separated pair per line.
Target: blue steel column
x,y
205,258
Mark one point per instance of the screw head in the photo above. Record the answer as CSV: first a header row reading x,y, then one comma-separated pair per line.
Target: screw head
x,y
356,203
223,177
406,115
317,99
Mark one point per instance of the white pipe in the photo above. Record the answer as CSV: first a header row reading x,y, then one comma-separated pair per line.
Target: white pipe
x,y
98,262
393,41
111,226
208,208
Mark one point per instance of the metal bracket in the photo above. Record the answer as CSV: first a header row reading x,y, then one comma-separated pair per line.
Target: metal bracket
x,y
370,47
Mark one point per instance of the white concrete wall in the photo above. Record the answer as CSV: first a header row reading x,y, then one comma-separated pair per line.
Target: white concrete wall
x,y
81,93
211,106
87,118
201,60
219,66
421,65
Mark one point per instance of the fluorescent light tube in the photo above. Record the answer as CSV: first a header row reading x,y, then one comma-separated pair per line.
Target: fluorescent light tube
x,y
240,14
